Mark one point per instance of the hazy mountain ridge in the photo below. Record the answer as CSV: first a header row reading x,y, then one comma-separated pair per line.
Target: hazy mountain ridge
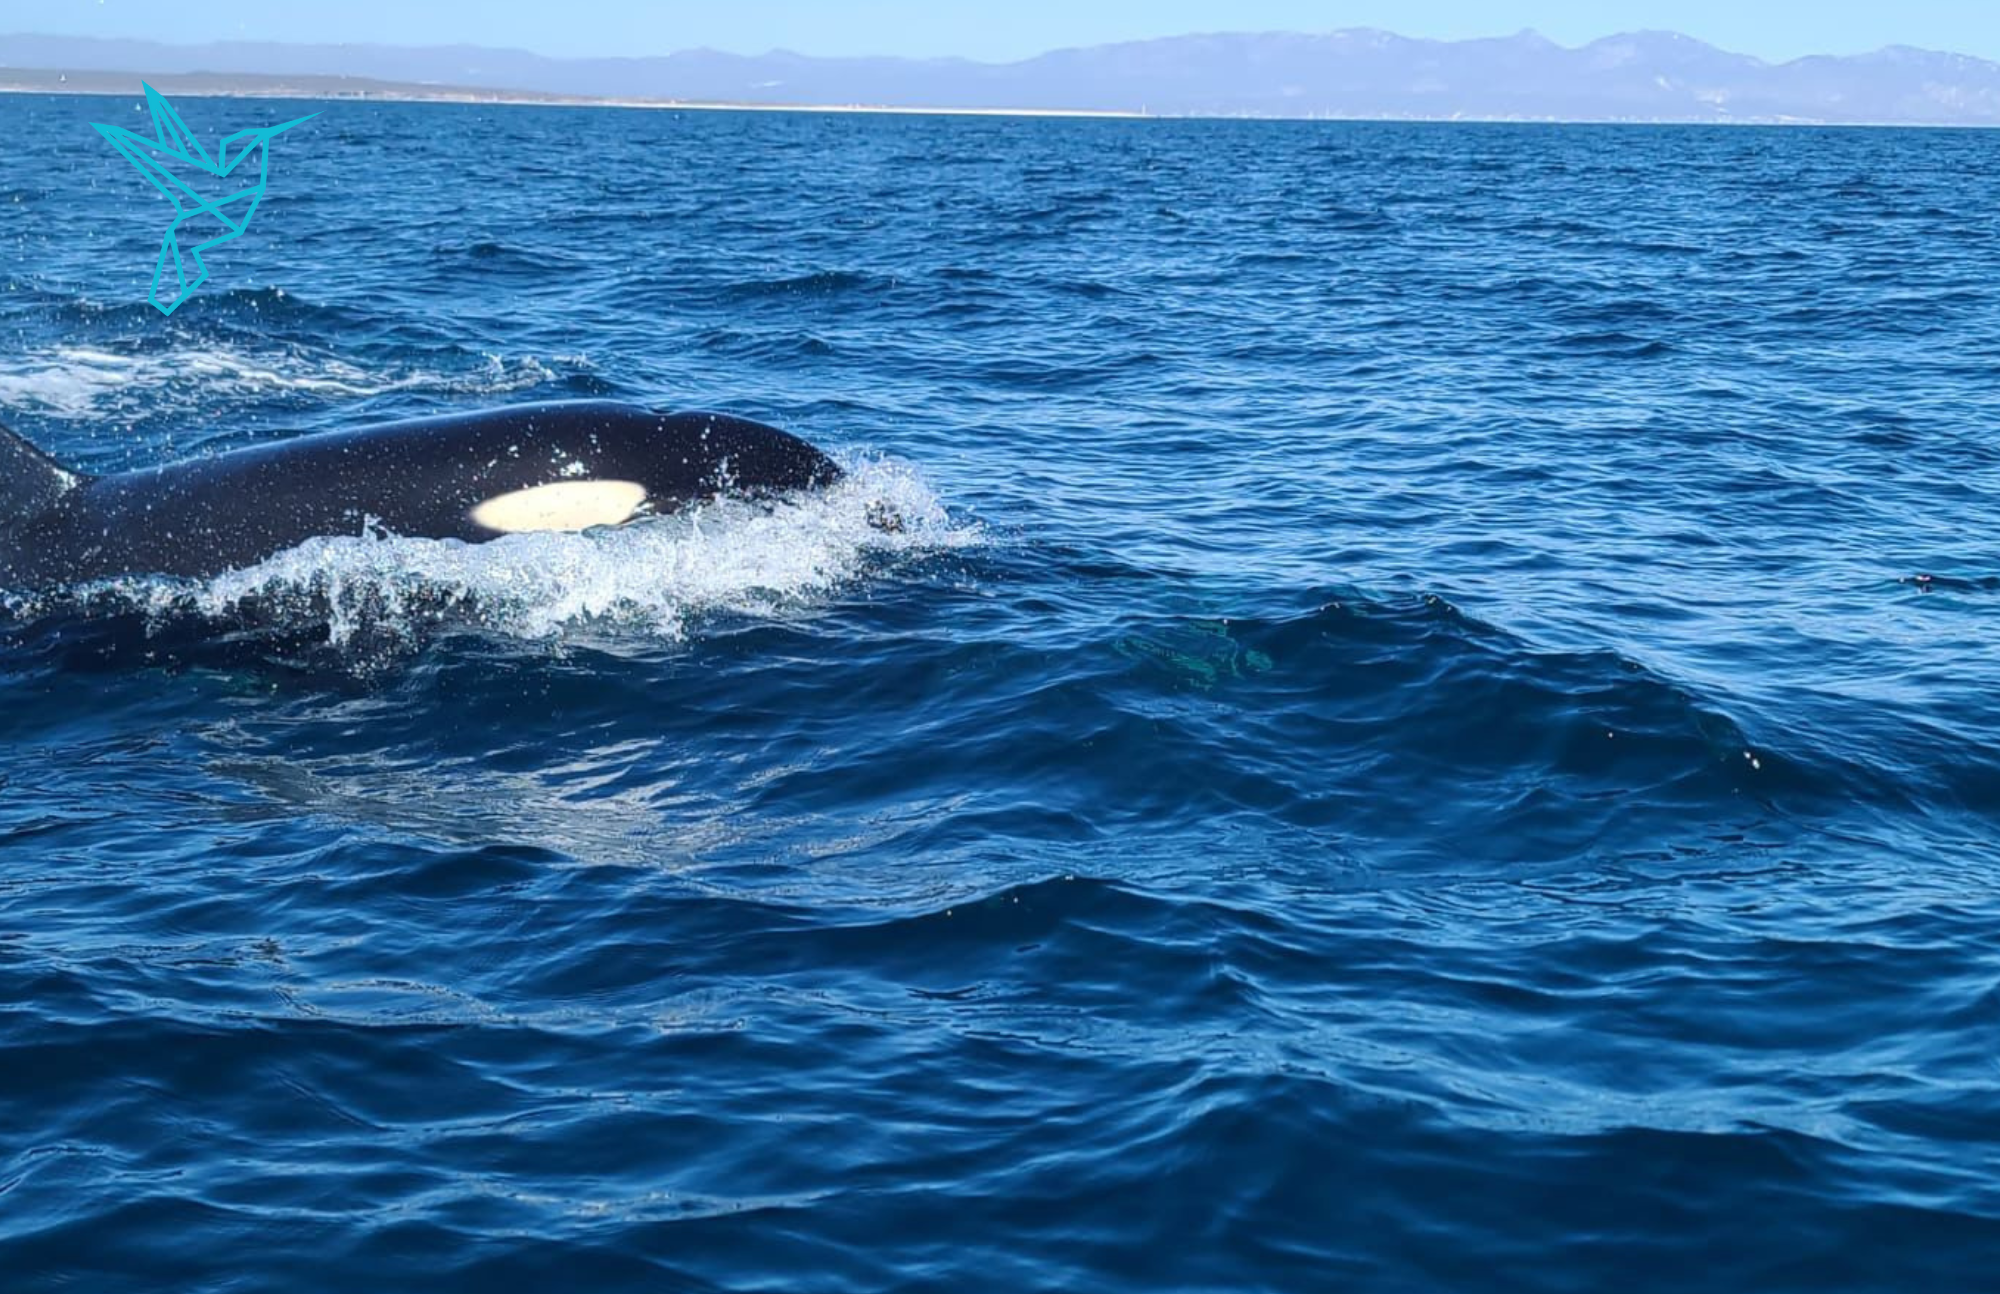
x,y
1646,76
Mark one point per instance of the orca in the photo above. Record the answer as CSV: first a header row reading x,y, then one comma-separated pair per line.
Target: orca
x,y
568,465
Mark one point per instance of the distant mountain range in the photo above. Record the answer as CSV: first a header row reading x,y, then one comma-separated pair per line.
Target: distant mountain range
x,y
1642,76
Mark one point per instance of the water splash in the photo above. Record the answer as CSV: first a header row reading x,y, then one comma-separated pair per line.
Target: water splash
x,y
374,592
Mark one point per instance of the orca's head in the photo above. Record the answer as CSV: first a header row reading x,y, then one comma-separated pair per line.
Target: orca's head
x,y
732,456
611,463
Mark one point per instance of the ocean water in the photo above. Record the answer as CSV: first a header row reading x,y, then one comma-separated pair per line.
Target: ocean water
x,y
1434,725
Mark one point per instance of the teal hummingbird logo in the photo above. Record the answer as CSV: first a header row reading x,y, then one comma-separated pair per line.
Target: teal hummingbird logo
x,y
173,139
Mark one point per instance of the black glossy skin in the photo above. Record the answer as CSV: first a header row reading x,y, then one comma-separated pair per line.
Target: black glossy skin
x,y
418,478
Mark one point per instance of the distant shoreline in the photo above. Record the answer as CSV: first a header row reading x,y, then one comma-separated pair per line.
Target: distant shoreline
x,y
480,100
342,89
208,85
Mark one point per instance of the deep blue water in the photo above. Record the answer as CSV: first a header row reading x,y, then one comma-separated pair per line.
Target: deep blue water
x,y
1434,725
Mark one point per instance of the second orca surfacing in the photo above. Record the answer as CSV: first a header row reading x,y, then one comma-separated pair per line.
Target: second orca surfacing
x,y
469,476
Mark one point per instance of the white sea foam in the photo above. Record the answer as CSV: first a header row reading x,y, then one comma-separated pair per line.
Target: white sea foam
x,y
649,578
81,382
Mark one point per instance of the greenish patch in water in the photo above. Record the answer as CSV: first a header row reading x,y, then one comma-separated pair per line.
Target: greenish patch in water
x,y
1198,653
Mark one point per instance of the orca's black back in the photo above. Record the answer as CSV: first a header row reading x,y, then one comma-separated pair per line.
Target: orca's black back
x,y
419,478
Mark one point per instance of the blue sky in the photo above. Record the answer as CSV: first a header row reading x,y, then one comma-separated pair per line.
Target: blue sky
x,y
1013,29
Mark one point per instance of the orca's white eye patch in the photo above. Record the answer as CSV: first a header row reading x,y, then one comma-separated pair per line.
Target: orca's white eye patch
x,y
563,505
